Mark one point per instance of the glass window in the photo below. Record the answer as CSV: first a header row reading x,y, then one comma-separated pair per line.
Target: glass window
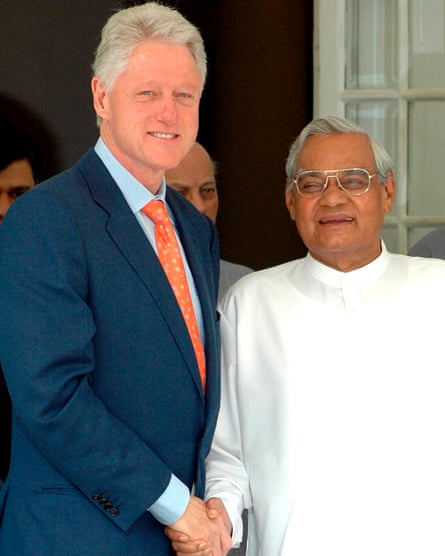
x,y
427,43
371,44
426,158
379,117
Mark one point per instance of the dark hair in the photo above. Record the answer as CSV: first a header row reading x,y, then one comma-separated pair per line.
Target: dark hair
x,y
17,144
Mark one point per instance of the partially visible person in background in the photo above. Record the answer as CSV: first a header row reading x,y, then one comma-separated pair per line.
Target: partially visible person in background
x,y
430,245
195,178
20,166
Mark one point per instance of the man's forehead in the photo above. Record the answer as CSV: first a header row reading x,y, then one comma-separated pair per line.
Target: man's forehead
x,y
336,150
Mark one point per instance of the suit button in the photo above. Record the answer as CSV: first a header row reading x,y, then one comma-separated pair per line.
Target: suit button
x,y
101,499
107,506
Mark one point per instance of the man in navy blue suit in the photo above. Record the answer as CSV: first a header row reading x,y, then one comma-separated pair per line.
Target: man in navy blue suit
x,y
111,423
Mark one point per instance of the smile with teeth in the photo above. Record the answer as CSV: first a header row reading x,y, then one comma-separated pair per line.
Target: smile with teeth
x,y
335,219
160,135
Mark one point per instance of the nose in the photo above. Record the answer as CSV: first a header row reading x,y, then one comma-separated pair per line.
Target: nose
x,y
333,191
168,112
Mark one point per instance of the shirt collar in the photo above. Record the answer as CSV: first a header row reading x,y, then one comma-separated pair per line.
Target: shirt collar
x,y
336,278
136,194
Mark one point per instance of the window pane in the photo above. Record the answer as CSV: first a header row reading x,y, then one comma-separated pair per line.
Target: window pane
x,y
371,44
426,187
379,118
427,43
391,239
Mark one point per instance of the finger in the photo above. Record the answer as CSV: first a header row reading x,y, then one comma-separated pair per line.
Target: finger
x,y
174,535
214,508
196,549
207,551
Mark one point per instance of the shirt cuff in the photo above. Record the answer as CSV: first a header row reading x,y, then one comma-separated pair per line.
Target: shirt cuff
x,y
172,503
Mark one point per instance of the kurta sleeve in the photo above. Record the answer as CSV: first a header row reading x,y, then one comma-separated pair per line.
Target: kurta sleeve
x,y
226,474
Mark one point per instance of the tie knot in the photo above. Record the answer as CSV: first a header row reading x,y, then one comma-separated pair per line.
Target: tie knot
x,y
156,210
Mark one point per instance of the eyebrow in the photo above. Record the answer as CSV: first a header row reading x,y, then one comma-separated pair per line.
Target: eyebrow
x,y
208,182
176,184
19,186
179,184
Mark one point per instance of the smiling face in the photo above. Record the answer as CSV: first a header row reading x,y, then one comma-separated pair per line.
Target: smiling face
x,y
341,230
150,116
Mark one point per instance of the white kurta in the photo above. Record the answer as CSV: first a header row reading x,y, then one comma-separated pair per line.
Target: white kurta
x,y
332,424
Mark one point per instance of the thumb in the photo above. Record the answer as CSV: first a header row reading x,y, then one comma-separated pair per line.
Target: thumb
x,y
214,507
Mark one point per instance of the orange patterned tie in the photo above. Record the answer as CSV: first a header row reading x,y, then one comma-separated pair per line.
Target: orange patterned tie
x,y
170,257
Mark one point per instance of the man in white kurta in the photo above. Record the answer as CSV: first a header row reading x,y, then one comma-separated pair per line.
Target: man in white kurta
x,y
332,424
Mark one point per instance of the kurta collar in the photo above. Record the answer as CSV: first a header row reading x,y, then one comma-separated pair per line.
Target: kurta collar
x,y
337,279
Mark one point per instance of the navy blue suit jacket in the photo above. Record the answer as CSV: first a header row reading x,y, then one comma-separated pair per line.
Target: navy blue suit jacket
x,y
102,374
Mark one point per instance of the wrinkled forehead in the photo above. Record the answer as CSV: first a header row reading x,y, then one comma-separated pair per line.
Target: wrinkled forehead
x,y
336,150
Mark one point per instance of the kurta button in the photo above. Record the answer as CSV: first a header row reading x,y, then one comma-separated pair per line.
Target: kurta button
x,y
108,506
114,512
96,497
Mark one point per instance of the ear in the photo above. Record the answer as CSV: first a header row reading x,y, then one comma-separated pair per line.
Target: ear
x,y
99,97
390,192
289,197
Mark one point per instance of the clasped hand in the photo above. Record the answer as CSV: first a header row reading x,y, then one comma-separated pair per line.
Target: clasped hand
x,y
204,529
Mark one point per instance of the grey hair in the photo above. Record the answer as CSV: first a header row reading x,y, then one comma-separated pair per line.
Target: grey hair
x,y
331,125
128,28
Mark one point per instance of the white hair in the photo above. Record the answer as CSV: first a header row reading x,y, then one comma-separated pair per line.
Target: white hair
x,y
128,28
331,125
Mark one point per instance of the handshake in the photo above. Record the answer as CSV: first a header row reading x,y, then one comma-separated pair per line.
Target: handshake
x,y
203,529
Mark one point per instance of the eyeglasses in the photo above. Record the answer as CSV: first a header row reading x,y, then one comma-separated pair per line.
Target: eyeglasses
x,y
313,183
